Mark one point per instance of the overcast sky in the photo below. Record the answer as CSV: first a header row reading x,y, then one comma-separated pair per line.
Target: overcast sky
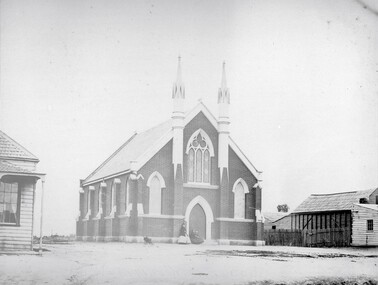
x,y
77,78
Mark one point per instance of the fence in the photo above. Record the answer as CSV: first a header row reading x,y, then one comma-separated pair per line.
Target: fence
x,y
283,237
335,237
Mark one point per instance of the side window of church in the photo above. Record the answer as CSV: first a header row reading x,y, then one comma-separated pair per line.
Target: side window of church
x,y
199,162
155,196
9,213
239,201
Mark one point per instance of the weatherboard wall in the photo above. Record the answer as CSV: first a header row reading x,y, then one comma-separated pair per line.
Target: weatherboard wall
x,y
361,236
19,237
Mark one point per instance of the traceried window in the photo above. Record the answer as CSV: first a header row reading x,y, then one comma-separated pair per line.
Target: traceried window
x,y
199,158
9,213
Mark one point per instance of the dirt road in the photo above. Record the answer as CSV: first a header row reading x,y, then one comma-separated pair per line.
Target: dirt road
x,y
121,263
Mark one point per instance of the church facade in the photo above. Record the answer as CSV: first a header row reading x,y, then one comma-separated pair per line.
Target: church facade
x,y
185,169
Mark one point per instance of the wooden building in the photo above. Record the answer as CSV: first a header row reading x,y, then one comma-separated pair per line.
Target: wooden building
x,y
187,169
332,212
283,223
365,225
270,218
18,179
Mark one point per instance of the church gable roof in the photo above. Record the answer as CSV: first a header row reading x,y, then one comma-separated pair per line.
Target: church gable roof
x,y
10,149
131,150
141,147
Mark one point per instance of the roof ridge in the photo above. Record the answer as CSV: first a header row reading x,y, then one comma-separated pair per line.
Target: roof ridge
x,y
338,193
32,156
111,156
146,130
331,194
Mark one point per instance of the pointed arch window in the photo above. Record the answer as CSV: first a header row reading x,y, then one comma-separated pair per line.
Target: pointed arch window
x,y
156,183
199,151
240,189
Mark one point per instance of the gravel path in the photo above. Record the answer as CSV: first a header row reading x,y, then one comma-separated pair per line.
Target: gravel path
x,y
121,263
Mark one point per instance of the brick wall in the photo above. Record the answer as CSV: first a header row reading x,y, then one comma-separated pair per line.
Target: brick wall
x,y
157,227
161,162
237,169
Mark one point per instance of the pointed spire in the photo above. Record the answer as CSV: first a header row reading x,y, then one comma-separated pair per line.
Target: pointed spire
x,y
178,86
179,70
223,93
224,82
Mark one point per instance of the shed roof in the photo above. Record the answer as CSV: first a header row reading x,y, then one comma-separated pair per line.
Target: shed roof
x,y
10,149
368,206
274,216
332,202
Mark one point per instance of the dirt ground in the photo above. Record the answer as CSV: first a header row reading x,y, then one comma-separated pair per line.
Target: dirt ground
x,y
122,263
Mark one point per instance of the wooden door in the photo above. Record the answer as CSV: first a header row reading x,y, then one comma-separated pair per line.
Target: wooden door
x,y
197,221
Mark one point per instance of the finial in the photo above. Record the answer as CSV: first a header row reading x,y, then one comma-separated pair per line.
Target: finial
x,y
223,93
224,82
179,70
178,86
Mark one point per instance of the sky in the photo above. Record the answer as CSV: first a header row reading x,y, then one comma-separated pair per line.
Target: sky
x,y
78,78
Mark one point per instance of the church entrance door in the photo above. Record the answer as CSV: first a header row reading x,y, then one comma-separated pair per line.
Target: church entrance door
x,y
199,217
197,221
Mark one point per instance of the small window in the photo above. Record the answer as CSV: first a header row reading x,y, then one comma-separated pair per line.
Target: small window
x,y
9,206
370,225
376,199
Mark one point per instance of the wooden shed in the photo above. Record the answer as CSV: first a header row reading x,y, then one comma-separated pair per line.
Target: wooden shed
x,y
365,225
18,178
271,218
326,219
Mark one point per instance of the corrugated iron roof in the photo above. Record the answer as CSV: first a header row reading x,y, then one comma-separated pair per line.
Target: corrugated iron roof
x,y
368,206
134,147
274,216
9,148
332,202
139,144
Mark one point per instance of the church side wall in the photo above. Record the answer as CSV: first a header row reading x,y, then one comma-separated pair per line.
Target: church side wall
x,y
158,225
238,170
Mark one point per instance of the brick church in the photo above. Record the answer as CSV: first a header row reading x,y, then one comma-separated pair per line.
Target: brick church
x,y
185,169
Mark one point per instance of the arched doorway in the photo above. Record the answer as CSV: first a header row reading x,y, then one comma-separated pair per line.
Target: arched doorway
x,y
197,221
200,214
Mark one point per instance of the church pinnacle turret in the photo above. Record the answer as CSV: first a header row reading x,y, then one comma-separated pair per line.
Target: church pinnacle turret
x,y
223,93
178,87
223,123
178,99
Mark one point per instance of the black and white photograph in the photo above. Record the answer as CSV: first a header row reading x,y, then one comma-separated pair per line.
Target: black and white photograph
x,y
189,142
